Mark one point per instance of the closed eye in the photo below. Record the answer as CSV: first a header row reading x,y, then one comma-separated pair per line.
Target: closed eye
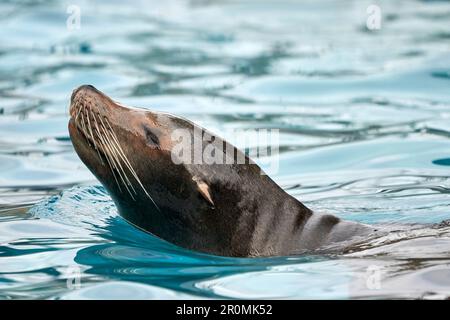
x,y
151,137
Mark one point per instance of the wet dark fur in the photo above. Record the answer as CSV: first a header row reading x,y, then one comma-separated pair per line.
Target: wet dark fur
x,y
250,215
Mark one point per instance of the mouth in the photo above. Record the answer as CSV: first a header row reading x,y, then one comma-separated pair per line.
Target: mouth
x,y
88,123
92,126
96,131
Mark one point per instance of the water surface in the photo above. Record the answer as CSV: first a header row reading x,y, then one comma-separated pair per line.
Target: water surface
x,y
364,133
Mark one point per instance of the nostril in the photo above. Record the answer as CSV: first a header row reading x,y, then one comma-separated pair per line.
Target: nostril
x,y
87,87
74,93
80,88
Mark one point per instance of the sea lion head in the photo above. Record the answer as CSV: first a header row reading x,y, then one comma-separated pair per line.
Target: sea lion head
x,y
210,207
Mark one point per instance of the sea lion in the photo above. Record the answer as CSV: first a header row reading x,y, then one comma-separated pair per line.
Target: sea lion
x,y
222,209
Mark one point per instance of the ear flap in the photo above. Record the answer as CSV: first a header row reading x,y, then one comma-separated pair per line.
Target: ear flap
x,y
203,188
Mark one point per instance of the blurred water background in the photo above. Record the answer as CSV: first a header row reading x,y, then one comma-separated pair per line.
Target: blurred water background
x,y
364,119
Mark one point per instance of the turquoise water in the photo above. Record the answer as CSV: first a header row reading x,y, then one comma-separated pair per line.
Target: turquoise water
x,y
364,119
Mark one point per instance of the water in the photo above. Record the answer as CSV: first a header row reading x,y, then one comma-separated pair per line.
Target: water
x,y
364,131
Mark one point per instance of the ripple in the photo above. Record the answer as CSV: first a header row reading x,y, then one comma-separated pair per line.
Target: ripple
x,y
324,280
364,134
123,290
293,89
442,162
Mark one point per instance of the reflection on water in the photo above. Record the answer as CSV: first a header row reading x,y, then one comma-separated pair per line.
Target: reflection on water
x,y
363,118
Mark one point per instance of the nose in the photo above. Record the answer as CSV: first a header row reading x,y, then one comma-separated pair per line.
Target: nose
x,y
85,87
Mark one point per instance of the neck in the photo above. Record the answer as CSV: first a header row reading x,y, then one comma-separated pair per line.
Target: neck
x,y
278,226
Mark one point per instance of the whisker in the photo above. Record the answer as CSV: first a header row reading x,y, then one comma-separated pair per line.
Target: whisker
x,y
117,155
112,169
77,105
118,166
108,158
127,162
113,151
90,129
108,143
83,126
98,133
116,161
